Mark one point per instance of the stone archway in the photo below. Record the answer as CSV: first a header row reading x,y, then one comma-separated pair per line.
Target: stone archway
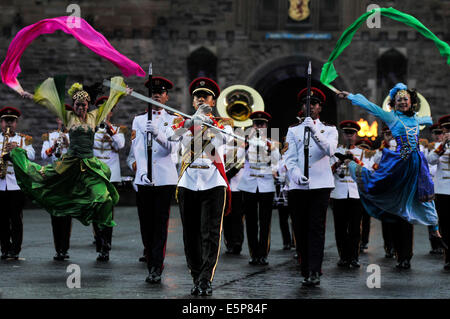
x,y
279,81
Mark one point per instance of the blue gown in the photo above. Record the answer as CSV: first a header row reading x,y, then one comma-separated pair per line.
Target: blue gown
x,y
402,185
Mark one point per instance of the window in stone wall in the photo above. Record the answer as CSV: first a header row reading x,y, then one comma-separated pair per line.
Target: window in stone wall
x,y
329,14
391,68
202,63
267,14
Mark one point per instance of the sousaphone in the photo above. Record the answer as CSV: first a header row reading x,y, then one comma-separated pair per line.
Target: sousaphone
x,y
238,102
422,107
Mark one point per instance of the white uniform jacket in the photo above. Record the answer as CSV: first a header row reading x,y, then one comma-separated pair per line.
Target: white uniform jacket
x,y
9,183
108,152
322,146
202,174
49,140
442,177
164,171
345,186
259,166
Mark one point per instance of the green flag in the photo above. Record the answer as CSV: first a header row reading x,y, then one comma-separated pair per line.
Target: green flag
x,y
329,73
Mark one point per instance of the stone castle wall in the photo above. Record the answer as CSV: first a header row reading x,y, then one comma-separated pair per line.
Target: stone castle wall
x,y
167,32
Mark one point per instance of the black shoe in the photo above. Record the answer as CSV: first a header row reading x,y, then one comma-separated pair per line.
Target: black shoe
x,y
205,288
195,291
404,264
103,256
66,255
263,261
312,281
355,263
447,266
4,256
12,255
287,247
229,251
253,261
437,251
343,263
59,257
143,259
154,276
363,247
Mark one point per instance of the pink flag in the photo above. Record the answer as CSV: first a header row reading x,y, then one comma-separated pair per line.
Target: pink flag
x,y
78,28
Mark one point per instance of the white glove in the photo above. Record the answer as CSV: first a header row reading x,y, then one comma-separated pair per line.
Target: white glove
x,y
299,178
309,122
152,128
146,181
203,109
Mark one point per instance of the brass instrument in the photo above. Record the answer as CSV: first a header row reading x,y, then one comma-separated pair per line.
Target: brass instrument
x,y
59,144
422,107
238,102
3,163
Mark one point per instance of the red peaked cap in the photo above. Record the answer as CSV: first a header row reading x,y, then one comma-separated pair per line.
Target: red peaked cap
x,y
206,85
364,141
316,94
260,116
9,111
349,125
160,82
444,120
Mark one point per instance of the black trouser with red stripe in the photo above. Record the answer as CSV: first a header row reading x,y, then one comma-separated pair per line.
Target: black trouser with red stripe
x,y
201,214
11,225
153,204
258,218
62,228
442,203
233,224
309,212
347,227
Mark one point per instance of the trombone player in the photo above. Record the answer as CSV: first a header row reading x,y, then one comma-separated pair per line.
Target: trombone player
x,y
11,197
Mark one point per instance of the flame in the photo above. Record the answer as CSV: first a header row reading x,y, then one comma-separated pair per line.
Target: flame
x,y
366,130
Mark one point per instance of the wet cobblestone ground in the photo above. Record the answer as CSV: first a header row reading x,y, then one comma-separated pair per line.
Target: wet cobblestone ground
x,y
36,275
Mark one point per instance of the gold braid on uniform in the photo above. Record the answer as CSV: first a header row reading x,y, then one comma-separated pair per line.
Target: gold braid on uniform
x,y
190,156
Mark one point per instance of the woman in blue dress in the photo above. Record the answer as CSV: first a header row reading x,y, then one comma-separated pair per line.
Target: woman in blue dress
x,y
401,189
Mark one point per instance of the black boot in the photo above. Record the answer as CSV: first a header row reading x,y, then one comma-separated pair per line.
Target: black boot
x,y
205,288
154,276
403,264
59,256
312,280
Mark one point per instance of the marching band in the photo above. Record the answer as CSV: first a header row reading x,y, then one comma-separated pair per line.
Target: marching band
x,y
223,181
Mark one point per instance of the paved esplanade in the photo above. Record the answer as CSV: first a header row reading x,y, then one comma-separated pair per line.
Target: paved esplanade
x,y
38,276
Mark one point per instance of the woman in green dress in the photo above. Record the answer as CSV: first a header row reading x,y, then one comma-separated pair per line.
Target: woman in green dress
x,y
78,183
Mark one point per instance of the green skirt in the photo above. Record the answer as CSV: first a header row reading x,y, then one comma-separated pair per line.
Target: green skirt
x,y
71,186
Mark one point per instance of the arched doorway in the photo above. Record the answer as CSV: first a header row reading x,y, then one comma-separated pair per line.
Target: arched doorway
x,y
279,82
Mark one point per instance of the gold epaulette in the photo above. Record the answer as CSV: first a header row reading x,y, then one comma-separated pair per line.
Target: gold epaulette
x,y
45,137
224,121
369,153
28,139
177,120
123,129
424,142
